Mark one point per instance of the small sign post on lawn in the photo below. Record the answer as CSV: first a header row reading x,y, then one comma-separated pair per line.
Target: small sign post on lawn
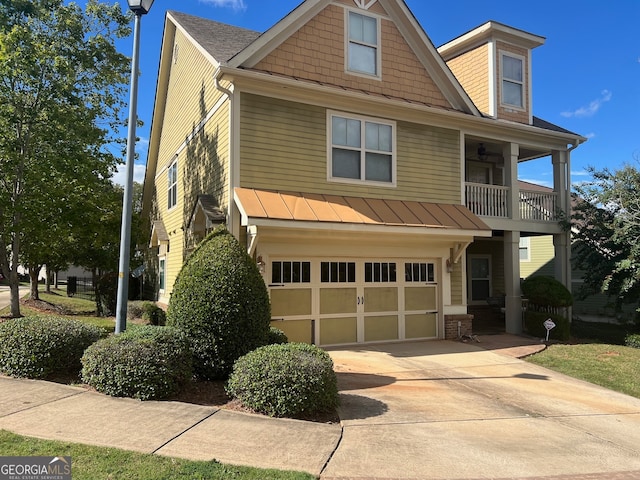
x,y
549,325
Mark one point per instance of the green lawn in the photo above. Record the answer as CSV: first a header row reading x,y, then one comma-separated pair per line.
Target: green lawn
x,y
93,463
611,366
71,307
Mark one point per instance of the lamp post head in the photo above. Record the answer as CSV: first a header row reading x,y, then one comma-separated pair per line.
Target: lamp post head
x,y
140,7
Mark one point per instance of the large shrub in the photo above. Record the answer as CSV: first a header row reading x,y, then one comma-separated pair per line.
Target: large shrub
x,y
548,291
221,302
285,380
39,347
144,362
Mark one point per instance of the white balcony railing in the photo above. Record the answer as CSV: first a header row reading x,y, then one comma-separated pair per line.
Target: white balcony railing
x,y
488,200
492,201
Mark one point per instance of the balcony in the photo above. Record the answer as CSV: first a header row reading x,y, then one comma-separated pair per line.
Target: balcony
x,y
493,201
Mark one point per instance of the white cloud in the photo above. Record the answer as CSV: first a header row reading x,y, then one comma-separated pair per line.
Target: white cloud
x,y
234,4
590,135
591,109
120,176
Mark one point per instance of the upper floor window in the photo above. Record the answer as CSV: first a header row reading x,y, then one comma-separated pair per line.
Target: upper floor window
x,y
362,149
363,55
512,80
172,193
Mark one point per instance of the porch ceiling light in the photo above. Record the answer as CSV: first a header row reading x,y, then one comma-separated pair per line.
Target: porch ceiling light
x,y
140,7
482,152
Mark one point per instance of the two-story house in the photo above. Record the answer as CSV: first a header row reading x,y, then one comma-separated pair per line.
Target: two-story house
x,y
372,177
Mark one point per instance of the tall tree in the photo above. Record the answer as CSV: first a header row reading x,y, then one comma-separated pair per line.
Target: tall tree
x,y
606,232
62,91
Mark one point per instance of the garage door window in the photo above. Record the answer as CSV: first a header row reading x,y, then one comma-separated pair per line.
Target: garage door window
x,y
290,272
338,272
377,272
419,272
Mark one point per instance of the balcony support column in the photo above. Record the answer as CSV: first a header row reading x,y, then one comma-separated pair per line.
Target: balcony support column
x,y
510,153
562,241
513,294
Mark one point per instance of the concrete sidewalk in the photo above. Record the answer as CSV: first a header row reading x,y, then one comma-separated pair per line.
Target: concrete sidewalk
x,y
426,410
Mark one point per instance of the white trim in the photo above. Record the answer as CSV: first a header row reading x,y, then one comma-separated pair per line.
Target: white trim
x,y
363,119
530,87
364,5
493,80
440,232
501,55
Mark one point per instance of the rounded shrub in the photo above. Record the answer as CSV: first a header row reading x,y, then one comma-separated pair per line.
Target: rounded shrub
x,y
285,380
632,340
42,346
144,362
548,291
534,324
221,302
277,336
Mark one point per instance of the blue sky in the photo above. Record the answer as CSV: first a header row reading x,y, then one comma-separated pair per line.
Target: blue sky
x,y
586,77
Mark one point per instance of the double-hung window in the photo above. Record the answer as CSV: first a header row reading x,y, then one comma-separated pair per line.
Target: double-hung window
x,y
512,80
361,150
172,192
363,50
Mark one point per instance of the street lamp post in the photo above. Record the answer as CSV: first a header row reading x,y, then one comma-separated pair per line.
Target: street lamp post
x,y
139,8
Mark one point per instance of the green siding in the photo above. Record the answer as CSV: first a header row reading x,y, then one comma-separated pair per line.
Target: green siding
x,y
541,257
283,146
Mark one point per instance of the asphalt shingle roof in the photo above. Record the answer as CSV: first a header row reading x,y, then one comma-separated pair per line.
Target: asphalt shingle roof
x,y
220,40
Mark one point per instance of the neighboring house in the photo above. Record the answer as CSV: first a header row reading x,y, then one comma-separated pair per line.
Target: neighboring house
x,y
537,258
372,177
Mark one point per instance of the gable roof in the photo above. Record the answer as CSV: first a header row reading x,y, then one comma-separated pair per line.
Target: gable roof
x,y
220,40
240,48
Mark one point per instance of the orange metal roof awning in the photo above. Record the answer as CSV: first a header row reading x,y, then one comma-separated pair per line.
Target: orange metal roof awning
x,y
262,207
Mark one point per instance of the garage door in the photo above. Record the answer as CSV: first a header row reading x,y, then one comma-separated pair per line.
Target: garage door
x,y
349,301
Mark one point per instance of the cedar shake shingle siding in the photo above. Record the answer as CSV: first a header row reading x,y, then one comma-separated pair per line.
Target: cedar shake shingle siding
x,y
316,52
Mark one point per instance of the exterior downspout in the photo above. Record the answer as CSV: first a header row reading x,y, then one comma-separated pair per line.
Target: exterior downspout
x,y
231,214
575,145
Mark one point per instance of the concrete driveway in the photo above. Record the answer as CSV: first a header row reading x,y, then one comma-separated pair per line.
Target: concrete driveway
x,y
447,410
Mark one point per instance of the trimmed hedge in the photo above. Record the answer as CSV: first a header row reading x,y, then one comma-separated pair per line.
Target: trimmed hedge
x,y
145,362
42,346
285,380
277,336
632,341
533,322
221,302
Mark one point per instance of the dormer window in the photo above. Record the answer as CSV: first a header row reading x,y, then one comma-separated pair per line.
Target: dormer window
x,y
363,49
512,80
